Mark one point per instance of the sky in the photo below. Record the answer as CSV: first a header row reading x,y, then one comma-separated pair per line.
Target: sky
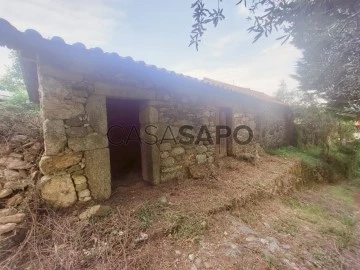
x,y
157,32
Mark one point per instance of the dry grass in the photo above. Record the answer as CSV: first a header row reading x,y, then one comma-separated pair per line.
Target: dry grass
x,y
313,218
58,240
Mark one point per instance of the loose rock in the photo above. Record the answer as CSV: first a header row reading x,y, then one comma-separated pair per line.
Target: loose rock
x,y
16,218
95,211
5,192
5,228
7,212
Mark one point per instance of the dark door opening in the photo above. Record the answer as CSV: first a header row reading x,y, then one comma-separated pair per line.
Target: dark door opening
x,y
124,141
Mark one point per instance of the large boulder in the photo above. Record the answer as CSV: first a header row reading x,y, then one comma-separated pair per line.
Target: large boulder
x,y
58,190
54,136
53,164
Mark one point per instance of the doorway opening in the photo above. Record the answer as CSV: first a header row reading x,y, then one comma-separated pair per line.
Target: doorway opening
x,y
124,141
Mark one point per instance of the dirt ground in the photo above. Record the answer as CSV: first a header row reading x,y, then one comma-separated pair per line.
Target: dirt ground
x,y
232,219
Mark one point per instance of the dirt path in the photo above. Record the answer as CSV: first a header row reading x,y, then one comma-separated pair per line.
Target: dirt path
x,y
316,228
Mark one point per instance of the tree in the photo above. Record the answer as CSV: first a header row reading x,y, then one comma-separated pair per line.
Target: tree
x,y
328,32
12,80
283,93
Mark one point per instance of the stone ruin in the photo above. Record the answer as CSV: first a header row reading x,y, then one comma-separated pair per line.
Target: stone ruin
x,y
84,93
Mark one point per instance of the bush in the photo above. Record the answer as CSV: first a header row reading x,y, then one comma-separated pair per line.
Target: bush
x,y
342,160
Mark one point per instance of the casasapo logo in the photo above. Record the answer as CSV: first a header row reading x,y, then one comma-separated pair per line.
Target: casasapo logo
x,y
185,135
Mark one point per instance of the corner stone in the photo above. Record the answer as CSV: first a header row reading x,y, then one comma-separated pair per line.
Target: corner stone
x,y
59,191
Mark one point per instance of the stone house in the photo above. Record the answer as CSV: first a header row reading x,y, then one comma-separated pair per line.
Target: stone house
x,y
89,98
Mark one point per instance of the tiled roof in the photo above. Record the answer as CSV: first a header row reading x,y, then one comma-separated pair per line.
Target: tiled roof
x,y
246,91
32,41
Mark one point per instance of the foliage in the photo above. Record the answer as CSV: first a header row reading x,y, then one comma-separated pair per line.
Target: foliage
x,y
342,160
291,97
328,32
13,81
18,114
314,125
203,16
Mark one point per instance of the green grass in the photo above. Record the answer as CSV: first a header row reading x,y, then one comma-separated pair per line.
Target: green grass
x,y
330,214
291,202
288,226
343,193
182,225
342,160
147,215
310,156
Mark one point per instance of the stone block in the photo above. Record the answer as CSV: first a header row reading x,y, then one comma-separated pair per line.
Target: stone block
x,y
96,111
177,151
53,164
164,155
54,137
84,193
79,179
74,122
52,88
90,142
59,191
97,171
76,132
200,159
61,109
168,162
201,149
81,187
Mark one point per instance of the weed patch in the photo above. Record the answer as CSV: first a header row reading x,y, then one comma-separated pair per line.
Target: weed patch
x,y
181,225
288,226
147,215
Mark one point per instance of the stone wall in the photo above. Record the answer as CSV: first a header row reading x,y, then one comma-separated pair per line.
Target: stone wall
x,y
177,157
73,137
